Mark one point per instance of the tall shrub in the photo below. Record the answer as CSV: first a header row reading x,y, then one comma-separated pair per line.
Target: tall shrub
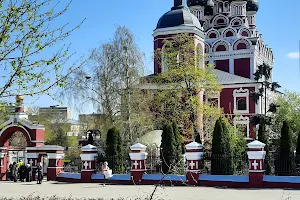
x,y
285,160
216,148
114,150
227,153
221,160
168,149
298,150
178,147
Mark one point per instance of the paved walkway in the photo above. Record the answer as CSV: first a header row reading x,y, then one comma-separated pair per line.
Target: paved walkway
x,y
10,189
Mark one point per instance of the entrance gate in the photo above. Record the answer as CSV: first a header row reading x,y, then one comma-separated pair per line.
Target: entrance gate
x,y
35,150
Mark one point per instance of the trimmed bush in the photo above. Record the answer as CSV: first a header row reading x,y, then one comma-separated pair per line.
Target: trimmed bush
x,y
221,159
284,163
168,149
114,150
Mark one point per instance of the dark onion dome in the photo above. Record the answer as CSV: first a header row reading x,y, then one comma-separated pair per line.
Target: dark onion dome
x,y
252,6
178,16
210,3
196,2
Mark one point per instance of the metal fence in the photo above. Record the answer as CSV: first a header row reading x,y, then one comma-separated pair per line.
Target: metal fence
x,y
282,165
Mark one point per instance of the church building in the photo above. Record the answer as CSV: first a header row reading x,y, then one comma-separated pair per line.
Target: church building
x,y
225,32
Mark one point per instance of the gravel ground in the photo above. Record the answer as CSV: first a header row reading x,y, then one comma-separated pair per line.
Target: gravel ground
x,y
10,189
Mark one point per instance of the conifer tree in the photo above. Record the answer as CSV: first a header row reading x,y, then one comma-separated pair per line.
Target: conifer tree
x,y
216,147
168,149
114,152
221,160
178,147
285,160
298,150
227,153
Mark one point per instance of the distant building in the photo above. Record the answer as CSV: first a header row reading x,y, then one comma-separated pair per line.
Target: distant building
x,y
92,121
63,113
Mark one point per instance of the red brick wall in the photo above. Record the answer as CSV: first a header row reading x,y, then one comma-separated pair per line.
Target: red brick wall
x,y
242,67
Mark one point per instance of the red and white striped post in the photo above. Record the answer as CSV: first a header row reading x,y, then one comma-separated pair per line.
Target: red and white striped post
x,y
138,158
193,154
256,157
88,160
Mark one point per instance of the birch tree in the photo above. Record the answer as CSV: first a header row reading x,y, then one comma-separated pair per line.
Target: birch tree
x,y
27,31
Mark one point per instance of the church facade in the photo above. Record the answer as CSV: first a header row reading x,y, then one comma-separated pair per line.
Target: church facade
x,y
226,34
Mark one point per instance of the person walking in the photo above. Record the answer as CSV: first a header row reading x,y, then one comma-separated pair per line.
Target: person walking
x,y
28,173
22,172
15,172
40,173
106,172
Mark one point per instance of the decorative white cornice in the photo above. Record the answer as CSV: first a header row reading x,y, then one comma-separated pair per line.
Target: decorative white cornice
x,y
241,92
241,119
138,156
178,30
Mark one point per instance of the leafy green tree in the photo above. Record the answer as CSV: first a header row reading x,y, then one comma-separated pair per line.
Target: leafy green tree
x,y
58,135
287,109
111,83
114,150
27,32
284,164
181,84
168,149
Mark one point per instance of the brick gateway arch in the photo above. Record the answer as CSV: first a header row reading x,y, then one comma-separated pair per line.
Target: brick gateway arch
x,y
35,150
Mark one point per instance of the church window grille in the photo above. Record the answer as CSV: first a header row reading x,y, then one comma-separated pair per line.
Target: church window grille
x,y
241,104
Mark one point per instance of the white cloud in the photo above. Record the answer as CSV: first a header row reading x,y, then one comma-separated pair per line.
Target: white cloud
x,y
294,55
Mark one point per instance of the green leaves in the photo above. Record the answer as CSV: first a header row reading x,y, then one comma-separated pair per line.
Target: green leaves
x,y
26,31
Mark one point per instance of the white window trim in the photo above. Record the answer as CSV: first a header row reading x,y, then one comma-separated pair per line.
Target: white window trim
x,y
242,121
241,93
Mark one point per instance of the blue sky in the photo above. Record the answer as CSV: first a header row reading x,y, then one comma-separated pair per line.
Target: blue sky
x,y
278,22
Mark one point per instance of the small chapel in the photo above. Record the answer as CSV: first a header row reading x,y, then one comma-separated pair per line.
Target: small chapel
x,y
226,34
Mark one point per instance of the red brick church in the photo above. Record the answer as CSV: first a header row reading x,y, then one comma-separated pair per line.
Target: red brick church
x,y
226,33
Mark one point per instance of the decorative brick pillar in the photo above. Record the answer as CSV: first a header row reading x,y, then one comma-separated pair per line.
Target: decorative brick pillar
x,y
193,154
3,163
138,158
256,157
56,164
32,159
88,160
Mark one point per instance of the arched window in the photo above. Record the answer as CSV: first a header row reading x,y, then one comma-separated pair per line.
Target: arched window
x,y
200,55
221,21
220,7
229,34
221,47
245,34
241,104
206,48
226,7
212,35
241,46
